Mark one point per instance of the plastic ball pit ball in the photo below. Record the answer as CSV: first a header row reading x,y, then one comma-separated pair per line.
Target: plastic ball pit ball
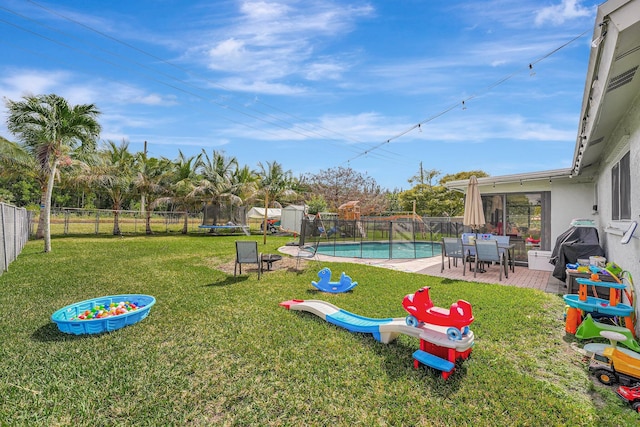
x,y
104,314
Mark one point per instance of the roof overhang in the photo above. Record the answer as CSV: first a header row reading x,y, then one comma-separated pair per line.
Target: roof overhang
x,y
612,82
541,177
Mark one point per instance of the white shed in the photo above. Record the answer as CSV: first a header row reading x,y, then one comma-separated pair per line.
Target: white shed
x,y
291,218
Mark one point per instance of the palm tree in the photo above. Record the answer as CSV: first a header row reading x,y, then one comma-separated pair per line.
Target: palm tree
x,y
216,185
51,128
151,181
184,184
275,182
244,183
113,172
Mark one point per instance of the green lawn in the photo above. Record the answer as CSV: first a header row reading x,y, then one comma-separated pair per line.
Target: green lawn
x,y
218,350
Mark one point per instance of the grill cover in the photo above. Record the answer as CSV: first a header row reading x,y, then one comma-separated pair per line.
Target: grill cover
x,y
575,243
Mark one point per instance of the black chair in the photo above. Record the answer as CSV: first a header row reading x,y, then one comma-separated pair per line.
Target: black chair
x,y
247,253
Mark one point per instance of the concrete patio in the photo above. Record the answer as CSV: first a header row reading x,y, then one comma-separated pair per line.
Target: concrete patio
x,y
522,276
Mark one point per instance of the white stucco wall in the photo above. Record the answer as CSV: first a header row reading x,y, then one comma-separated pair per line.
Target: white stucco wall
x,y
625,138
570,200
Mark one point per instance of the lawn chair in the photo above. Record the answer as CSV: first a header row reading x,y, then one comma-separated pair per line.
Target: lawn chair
x,y
306,252
452,248
487,252
247,253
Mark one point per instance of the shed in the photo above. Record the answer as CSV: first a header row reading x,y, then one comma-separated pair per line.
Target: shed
x,y
291,218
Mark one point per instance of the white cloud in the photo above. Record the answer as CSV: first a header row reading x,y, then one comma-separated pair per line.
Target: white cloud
x,y
560,13
274,40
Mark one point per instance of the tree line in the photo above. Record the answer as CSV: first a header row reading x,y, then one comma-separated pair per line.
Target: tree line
x,y
58,162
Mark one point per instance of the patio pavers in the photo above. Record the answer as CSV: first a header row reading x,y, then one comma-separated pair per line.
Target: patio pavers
x,y
523,277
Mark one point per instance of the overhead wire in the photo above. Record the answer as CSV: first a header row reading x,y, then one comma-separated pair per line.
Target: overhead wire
x,y
464,101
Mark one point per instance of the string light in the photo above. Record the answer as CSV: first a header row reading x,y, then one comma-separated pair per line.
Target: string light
x,y
487,89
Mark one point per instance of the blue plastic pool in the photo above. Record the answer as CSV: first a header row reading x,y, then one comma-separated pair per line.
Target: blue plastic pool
x,y
381,250
66,320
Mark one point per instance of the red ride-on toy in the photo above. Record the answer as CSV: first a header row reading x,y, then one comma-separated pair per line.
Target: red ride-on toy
x,y
421,310
630,395
272,225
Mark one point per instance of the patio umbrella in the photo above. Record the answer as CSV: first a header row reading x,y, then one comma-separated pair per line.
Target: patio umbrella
x,y
473,212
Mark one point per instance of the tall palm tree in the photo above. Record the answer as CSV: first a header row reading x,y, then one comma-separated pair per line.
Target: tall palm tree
x,y
151,180
184,181
51,128
216,172
113,172
275,182
216,184
244,183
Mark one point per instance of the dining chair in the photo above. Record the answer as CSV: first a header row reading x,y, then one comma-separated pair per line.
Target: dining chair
x,y
247,253
487,252
452,248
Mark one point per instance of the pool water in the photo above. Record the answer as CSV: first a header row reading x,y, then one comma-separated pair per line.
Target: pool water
x,y
381,250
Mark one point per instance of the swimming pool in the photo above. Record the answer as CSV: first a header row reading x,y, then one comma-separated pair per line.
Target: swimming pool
x,y
381,250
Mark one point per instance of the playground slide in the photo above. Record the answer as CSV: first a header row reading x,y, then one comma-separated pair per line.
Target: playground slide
x,y
383,330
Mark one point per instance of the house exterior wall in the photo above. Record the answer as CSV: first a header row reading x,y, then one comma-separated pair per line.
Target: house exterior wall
x,y
625,138
570,200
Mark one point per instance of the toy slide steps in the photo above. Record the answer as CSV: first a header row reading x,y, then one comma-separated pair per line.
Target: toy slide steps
x,y
433,361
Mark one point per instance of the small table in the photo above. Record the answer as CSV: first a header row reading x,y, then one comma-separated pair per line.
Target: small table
x,y
269,259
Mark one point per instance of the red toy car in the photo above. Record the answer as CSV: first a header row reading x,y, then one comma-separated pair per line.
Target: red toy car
x,y
630,395
421,310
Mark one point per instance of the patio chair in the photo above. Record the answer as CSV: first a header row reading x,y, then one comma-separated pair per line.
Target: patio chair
x,y
247,253
487,252
306,252
503,243
452,248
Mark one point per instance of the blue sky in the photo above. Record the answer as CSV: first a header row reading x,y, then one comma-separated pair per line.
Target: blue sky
x,y
315,84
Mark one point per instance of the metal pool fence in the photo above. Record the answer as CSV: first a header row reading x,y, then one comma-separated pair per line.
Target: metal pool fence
x,y
396,232
14,233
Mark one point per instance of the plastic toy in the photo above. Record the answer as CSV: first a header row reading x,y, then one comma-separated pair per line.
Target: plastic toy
x,y
439,349
630,395
615,365
326,285
590,328
588,304
421,310
84,317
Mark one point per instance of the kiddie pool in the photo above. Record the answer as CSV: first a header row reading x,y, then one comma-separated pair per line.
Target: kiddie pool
x,y
63,317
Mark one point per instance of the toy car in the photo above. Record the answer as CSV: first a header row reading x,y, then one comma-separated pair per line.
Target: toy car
x,y
616,365
421,310
630,395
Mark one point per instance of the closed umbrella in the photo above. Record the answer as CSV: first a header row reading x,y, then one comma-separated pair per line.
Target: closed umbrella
x,y
473,211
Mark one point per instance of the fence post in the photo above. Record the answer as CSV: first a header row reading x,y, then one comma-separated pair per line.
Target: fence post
x,y
97,221
66,222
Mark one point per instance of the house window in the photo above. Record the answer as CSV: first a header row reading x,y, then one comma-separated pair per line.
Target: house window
x,y
621,189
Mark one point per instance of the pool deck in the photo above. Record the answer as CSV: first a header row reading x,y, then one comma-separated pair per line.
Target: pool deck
x,y
522,277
